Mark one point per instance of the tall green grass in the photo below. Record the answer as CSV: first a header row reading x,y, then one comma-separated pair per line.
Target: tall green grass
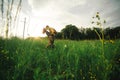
x,y
70,60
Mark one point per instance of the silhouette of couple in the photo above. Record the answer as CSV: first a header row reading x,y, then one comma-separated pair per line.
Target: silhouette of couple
x,y
50,32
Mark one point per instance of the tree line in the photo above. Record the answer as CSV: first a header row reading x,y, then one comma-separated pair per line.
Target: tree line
x,y
73,33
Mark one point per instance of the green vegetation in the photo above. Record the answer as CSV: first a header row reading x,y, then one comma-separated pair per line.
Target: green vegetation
x,y
69,60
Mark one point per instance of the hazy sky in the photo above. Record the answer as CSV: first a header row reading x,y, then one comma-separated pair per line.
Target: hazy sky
x,y
59,13
78,12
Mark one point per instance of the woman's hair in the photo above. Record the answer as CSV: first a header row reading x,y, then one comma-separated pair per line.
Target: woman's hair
x,y
44,30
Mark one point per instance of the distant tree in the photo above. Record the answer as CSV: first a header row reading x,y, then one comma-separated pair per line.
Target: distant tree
x,y
90,34
82,34
107,33
58,35
117,32
113,33
70,32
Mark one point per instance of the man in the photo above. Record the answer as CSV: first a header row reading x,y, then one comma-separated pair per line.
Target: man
x,y
50,32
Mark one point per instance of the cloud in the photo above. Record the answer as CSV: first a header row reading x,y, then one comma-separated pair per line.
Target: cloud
x,y
77,12
56,9
53,6
26,7
38,4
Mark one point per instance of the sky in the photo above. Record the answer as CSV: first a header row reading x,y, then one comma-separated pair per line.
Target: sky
x,y
59,13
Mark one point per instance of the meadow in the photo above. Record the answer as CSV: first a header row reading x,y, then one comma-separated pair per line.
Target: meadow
x,y
29,59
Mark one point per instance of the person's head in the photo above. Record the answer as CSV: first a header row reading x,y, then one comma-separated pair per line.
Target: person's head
x,y
47,27
44,30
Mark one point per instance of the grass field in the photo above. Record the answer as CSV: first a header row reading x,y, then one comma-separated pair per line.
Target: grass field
x,y
70,60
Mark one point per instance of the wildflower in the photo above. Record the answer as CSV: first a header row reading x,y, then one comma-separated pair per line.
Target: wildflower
x,y
98,23
111,41
104,21
65,46
92,22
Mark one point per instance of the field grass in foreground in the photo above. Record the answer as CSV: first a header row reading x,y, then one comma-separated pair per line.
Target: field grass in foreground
x,y
69,60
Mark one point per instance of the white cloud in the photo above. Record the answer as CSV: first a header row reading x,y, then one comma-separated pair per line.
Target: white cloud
x,y
53,7
58,10
38,4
